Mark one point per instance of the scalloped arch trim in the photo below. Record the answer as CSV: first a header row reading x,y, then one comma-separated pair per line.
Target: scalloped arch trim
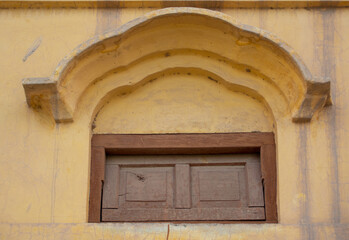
x,y
176,37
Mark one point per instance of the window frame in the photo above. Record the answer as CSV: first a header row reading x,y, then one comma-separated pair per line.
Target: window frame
x,y
202,143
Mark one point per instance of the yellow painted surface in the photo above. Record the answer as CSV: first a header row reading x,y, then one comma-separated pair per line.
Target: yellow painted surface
x,y
44,167
171,3
191,103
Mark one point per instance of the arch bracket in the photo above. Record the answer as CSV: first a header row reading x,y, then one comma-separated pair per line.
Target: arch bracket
x,y
316,98
41,93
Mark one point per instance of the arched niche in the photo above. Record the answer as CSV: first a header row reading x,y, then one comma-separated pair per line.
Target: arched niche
x,y
183,100
243,58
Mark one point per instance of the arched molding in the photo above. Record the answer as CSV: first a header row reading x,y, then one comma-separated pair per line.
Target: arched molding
x,y
244,57
94,100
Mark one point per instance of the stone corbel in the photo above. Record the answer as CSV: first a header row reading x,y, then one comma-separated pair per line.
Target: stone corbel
x,y
317,97
42,94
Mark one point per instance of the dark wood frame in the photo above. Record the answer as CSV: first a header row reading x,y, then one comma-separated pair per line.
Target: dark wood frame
x,y
103,144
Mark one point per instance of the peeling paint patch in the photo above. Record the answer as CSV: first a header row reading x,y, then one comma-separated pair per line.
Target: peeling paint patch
x,y
32,49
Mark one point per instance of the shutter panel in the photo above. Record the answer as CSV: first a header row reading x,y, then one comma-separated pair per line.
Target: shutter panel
x,y
182,192
183,188
254,185
111,187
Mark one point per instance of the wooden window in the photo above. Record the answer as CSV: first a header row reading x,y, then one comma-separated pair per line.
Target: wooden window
x,y
183,177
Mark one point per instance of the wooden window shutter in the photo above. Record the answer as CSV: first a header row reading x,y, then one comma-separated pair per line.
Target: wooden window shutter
x,y
183,188
166,179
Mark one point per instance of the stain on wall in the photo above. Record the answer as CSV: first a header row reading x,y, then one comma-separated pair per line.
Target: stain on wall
x,y
32,49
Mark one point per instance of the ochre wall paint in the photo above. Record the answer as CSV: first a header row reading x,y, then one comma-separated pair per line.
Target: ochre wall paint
x,y
191,103
44,173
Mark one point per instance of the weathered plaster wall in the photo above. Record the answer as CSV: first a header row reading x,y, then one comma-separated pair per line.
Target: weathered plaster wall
x,y
191,103
44,170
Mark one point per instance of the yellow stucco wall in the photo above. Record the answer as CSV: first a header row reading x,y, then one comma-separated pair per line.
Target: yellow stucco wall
x,y
191,103
44,168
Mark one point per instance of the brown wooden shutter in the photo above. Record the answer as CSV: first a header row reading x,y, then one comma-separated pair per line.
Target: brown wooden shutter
x,y
220,187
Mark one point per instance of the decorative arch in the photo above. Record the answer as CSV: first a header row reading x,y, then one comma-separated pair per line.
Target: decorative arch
x,y
242,57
